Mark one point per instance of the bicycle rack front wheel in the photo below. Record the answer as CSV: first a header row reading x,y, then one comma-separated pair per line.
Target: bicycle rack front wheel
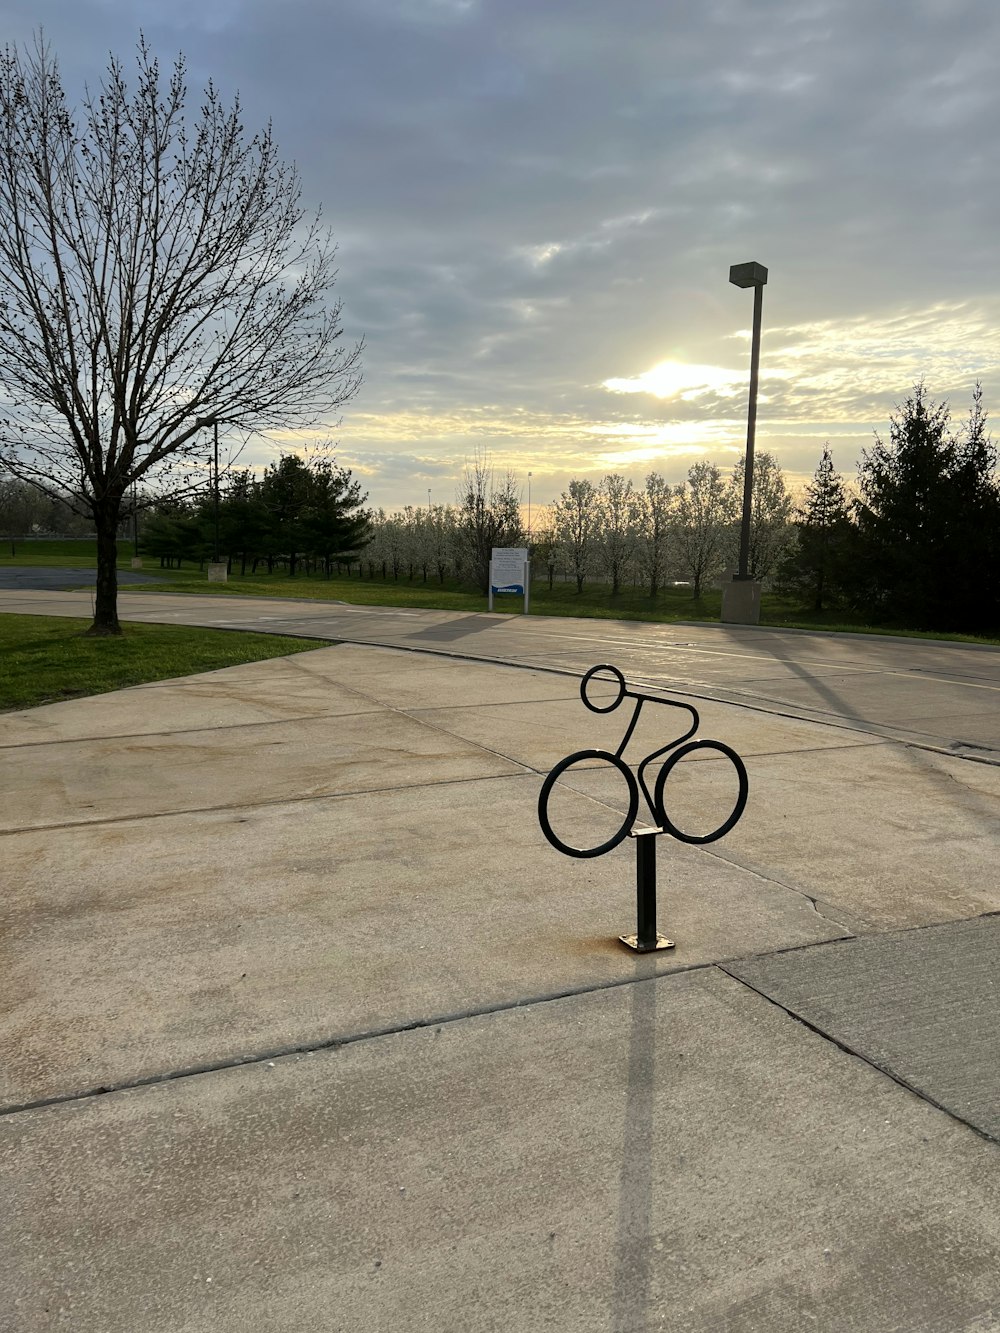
x,y
543,802
661,780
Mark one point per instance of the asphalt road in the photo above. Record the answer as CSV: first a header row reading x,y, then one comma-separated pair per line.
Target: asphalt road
x,y
49,578
931,693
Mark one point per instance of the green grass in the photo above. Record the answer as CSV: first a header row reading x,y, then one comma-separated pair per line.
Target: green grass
x,y
80,553
46,658
670,605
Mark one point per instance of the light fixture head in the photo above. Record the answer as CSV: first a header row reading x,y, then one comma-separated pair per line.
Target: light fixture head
x,y
748,275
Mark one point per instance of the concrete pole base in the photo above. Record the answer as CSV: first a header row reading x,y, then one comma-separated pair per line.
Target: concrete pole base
x,y
218,573
741,602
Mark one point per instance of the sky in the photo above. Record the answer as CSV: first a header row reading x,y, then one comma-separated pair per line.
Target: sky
x,y
537,203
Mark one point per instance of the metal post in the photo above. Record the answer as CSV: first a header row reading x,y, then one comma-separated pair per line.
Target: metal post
x,y
215,426
758,301
645,939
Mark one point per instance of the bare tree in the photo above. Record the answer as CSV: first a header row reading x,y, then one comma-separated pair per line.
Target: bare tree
x,y
488,515
158,276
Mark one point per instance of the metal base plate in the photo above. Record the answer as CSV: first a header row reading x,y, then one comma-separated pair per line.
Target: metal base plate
x,y
632,942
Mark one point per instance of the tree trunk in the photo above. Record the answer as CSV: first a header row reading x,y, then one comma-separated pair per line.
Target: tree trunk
x,y
697,587
106,599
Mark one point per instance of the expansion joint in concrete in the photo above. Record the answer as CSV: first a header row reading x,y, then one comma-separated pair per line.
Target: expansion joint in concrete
x,y
857,1055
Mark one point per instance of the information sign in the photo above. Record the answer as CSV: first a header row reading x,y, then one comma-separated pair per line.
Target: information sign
x,y
507,568
509,572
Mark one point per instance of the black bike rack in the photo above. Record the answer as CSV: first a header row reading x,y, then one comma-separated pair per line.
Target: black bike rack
x,y
646,938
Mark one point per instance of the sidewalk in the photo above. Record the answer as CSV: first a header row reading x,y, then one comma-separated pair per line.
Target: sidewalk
x,y
305,1026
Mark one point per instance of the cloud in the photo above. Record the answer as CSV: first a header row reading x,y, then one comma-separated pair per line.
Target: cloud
x,y
537,206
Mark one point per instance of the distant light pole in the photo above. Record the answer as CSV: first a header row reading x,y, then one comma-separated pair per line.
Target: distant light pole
x,y
755,276
529,508
215,431
428,497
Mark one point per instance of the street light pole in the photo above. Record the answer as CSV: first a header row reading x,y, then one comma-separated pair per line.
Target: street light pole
x,y
529,508
755,276
741,594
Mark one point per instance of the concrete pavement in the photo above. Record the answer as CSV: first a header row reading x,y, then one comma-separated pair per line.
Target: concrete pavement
x,y
304,1026
943,695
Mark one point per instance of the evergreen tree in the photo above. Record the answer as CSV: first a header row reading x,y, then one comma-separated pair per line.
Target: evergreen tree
x,y
927,521
333,524
812,566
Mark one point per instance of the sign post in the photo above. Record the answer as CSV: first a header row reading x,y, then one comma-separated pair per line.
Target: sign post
x,y
510,572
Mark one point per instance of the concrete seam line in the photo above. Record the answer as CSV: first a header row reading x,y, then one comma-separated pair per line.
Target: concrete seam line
x,y
857,1055
346,1039
719,696
259,805
415,1025
151,735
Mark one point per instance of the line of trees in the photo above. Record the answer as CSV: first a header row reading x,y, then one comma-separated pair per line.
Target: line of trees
x,y
28,511
915,542
299,514
610,533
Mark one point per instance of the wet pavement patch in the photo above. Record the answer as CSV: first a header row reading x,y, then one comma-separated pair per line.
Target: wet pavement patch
x,y
922,1005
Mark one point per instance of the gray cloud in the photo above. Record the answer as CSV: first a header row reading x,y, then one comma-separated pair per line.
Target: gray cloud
x,y
531,199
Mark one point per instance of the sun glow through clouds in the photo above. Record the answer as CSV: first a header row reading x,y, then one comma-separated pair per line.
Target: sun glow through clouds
x,y
676,379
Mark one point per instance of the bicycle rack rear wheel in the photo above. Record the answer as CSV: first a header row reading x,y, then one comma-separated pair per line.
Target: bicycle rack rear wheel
x,y
661,780
556,774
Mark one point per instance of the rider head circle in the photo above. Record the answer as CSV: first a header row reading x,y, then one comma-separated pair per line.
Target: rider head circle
x,y
605,707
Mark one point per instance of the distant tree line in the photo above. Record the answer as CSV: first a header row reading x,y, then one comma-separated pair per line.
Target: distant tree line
x,y
916,543
610,533
28,511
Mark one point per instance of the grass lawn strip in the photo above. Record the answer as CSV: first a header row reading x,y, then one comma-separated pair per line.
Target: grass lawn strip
x,y
47,658
671,605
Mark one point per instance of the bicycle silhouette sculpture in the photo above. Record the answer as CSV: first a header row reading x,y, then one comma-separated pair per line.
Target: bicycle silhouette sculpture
x,y
646,938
